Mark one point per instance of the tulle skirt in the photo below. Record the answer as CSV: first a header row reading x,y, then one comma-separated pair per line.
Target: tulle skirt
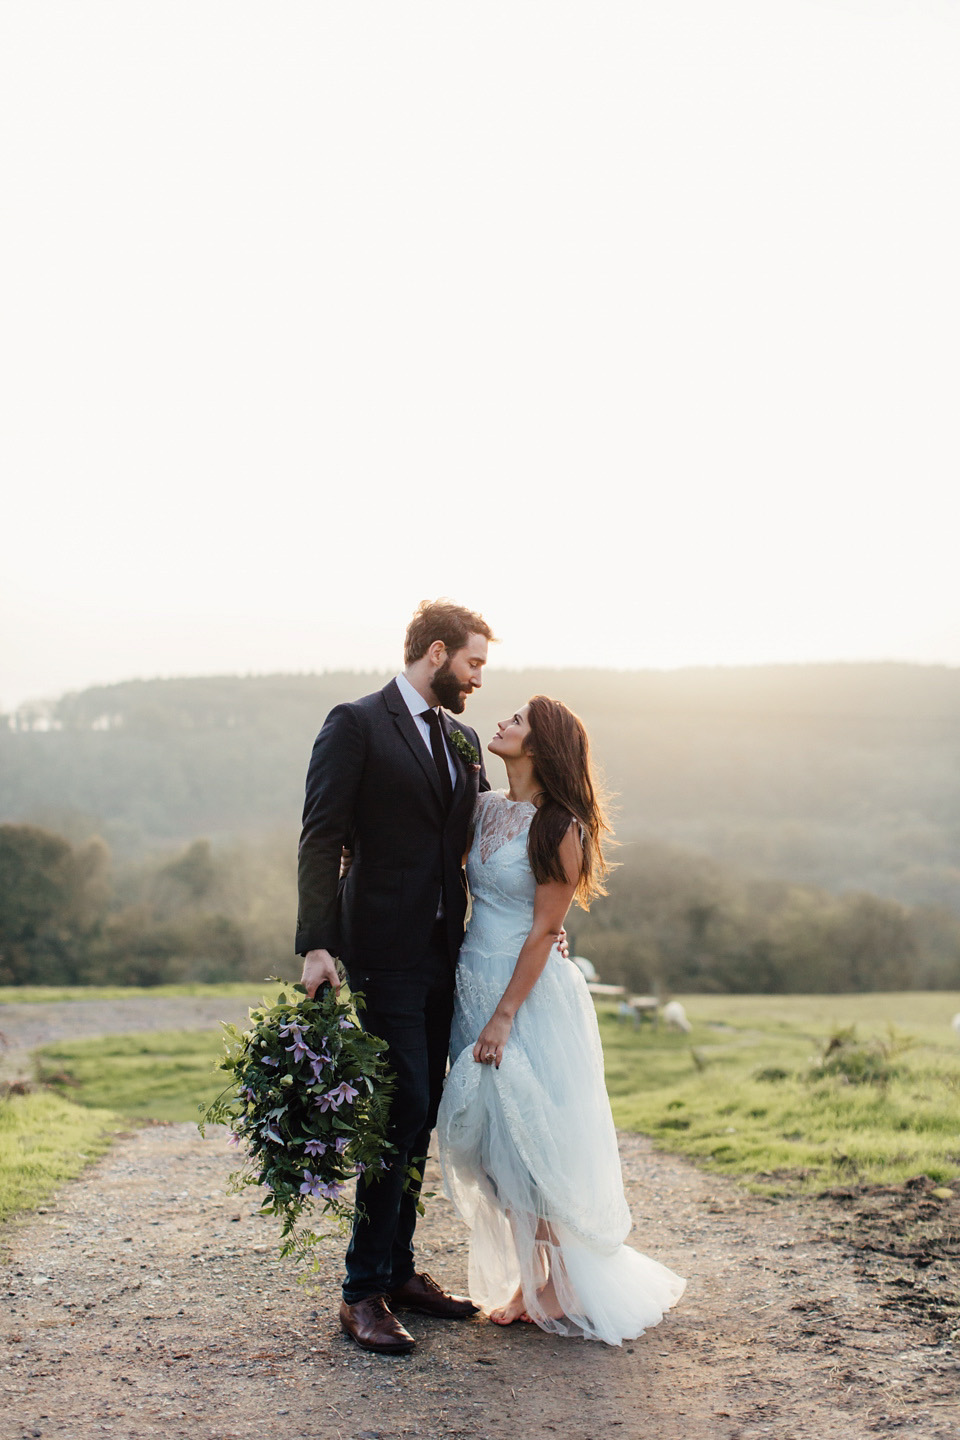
x,y
530,1160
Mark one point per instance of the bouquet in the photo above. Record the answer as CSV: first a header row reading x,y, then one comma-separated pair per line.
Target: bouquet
x,y
308,1102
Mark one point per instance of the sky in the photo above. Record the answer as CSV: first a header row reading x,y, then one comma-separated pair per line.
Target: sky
x,y
632,325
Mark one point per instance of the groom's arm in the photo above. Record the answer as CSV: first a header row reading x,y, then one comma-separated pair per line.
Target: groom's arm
x,y
333,778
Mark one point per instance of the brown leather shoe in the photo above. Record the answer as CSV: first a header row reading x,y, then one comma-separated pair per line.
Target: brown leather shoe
x,y
371,1324
422,1292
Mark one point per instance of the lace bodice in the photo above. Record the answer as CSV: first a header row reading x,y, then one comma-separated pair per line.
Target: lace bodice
x,y
497,863
498,820
502,886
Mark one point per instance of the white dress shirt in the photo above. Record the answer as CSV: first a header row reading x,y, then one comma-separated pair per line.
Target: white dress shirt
x,y
418,708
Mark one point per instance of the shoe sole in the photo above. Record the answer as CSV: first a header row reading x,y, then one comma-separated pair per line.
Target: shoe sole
x,y
402,1347
436,1314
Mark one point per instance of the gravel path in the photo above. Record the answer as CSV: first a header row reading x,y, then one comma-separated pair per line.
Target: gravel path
x,y
144,1301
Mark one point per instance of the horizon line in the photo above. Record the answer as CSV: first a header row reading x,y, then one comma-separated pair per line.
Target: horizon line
x,y
889,663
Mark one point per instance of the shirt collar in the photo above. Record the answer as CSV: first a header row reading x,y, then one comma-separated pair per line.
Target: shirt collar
x,y
413,700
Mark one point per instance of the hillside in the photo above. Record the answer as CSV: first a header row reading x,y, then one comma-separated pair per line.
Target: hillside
x,y
841,776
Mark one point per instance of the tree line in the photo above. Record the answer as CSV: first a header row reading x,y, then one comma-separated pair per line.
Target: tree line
x,y
674,920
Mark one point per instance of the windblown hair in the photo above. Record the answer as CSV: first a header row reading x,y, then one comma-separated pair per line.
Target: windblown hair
x,y
560,750
441,620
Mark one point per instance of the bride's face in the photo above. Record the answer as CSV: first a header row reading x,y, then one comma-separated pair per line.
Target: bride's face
x,y
508,741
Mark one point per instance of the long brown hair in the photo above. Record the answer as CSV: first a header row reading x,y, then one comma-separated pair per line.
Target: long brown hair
x,y
560,750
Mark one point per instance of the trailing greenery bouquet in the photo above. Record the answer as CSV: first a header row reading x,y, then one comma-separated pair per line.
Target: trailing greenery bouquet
x,y
308,1102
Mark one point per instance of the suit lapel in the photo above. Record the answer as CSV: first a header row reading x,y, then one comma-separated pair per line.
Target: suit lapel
x,y
459,763
407,726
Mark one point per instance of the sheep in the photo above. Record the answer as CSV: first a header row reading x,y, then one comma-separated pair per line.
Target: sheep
x,y
587,970
674,1014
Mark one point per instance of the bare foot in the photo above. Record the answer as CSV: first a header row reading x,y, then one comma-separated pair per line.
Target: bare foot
x,y
513,1310
547,1298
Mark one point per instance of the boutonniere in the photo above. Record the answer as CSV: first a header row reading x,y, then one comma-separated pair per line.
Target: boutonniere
x,y
464,749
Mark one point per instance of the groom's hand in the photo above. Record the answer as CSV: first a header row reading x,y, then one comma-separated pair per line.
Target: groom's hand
x,y
319,967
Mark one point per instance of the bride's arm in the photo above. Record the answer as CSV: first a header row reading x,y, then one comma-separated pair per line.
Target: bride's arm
x,y
550,905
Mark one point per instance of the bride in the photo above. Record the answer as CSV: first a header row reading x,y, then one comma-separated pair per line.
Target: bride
x,y
527,1143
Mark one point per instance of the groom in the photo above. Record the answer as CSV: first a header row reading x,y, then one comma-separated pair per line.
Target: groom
x,y
386,781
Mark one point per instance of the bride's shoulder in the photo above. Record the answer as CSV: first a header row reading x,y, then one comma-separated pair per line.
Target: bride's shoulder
x,y
487,798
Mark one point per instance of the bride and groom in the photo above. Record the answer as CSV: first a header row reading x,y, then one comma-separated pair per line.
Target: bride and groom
x,y
527,1143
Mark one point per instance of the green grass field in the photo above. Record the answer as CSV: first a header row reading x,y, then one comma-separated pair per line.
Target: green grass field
x,y
157,1075
45,1141
746,1093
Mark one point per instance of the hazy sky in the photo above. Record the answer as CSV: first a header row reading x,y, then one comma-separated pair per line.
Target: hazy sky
x,y
635,325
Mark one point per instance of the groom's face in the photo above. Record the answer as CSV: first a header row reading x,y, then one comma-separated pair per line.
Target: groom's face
x,y
460,674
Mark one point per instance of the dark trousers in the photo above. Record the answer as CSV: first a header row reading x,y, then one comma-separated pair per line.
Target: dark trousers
x,y
412,1012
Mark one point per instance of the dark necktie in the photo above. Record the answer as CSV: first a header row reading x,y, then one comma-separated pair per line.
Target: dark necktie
x,y
439,755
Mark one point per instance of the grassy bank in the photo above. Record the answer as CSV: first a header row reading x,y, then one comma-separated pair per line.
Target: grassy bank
x,y
45,1141
753,1093
161,1075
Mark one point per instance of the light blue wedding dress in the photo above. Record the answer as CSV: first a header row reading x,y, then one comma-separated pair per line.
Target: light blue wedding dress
x,y
534,1141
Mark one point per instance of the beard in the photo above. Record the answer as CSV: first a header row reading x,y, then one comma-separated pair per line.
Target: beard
x,y
448,689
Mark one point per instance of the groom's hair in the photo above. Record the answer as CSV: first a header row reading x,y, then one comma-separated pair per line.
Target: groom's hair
x,y
441,620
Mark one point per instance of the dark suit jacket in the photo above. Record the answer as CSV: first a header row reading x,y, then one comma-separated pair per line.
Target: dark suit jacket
x,y
372,785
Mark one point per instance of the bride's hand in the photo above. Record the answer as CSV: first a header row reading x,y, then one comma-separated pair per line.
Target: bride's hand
x,y
493,1037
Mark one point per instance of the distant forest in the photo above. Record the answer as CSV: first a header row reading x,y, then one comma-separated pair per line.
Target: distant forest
x,y
781,827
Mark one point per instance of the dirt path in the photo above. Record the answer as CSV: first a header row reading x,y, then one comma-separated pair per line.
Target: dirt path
x,y
146,1302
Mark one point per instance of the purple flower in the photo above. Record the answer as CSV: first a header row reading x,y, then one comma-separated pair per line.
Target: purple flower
x,y
346,1024
312,1185
341,1143
331,1191
268,1060
299,1049
291,1028
247,1094
316,1065
359,1168
233,1139
315,1147
327,1102
343,1094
